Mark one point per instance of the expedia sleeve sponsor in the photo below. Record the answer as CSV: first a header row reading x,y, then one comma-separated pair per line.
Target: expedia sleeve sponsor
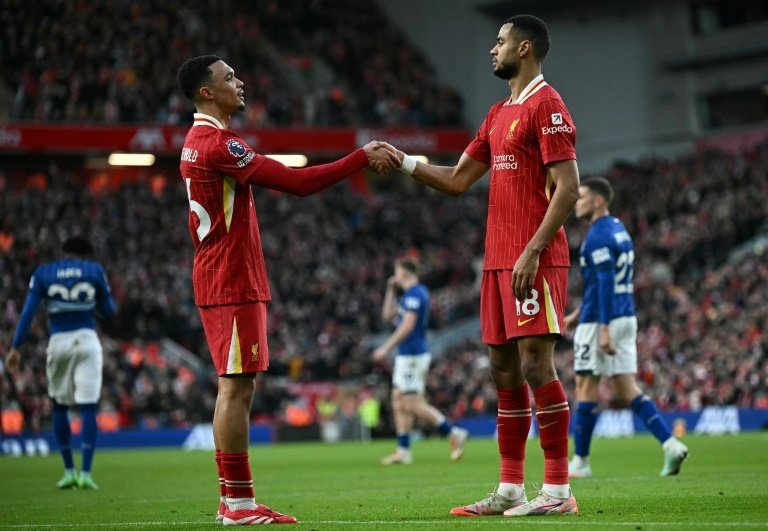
x,y
565,128
558,125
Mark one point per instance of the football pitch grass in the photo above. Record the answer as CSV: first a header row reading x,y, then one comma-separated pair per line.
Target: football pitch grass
x,y
724,485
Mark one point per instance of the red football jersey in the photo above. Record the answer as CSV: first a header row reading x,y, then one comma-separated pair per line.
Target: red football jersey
x,y
218,168
517,140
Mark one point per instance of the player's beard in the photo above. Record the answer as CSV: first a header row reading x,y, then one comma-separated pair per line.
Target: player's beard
x,y
506,71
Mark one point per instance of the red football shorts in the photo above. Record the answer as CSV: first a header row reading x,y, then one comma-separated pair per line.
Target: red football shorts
x,y
237,337
503,318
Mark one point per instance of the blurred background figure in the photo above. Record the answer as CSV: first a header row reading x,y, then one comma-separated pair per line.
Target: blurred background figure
x,y
406,305
74,289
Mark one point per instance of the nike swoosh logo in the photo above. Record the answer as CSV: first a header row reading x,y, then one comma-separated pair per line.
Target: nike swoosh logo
x,y
492,129
544,426
521,322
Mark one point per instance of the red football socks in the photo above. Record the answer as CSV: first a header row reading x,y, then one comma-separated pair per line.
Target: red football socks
x,y
513,424
237,475
220,468
553,416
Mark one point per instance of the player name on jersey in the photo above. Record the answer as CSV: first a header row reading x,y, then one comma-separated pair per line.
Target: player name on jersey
x,y
69,272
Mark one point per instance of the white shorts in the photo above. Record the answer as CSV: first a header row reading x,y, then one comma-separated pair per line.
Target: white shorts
x,y
410,372
74,367
589,359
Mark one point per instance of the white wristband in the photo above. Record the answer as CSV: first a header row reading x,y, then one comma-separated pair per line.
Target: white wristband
x,y
408,165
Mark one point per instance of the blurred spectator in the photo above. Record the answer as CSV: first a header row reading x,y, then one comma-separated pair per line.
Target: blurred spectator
x,y
112,61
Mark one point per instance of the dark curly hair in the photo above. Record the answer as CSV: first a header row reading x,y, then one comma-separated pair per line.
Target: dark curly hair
x,y
533,29
194,73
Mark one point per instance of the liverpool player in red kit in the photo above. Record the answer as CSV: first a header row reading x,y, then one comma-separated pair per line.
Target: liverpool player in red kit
x,y
229,276
527,140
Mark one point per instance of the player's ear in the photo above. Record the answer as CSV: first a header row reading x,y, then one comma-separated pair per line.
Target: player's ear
x,y
602,201
205,93
524,48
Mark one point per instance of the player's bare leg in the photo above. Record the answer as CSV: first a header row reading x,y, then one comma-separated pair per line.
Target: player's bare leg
x,y
231,416
675,452
231,421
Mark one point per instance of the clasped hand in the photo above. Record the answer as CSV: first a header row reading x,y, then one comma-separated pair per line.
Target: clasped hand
x,y
381,156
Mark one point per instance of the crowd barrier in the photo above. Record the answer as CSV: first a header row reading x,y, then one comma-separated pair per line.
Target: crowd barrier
x,y
199,437
612,423
623,423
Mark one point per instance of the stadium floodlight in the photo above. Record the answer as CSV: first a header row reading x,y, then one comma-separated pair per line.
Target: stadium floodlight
x,y
292,161
131,159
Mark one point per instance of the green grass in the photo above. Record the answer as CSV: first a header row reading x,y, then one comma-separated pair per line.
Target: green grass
x,y
341,486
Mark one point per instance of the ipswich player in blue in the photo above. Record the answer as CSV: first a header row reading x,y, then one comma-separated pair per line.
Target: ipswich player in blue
x,y
410,315
605,341
72,288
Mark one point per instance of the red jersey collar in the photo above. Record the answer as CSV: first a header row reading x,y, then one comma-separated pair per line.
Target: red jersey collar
x,y
536,84
208,120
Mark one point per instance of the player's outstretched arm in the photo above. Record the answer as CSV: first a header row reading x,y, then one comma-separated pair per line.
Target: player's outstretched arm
x,y
453,180
269,173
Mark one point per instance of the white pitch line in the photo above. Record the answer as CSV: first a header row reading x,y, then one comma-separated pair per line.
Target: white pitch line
x,y
530,521
455,521
107,524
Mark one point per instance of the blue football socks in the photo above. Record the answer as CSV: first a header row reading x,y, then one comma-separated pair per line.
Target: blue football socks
x,y
88,416
586,419
63,434
646,410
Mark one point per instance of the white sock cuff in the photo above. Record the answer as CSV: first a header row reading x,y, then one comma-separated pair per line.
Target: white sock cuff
x,y
238,504
557,491
511,490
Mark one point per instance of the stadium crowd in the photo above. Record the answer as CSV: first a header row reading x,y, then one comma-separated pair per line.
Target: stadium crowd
x,y
303,63
701,305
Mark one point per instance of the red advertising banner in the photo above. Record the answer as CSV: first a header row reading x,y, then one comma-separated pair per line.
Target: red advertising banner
x,y
733,143
169,140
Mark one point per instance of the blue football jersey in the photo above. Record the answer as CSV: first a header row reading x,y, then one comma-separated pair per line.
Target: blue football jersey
x,y
607,266
415,299
72,290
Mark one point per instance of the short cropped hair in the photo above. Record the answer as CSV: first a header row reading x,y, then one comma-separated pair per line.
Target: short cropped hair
x,y
409,263
600,186
78,246
194,73
531,28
